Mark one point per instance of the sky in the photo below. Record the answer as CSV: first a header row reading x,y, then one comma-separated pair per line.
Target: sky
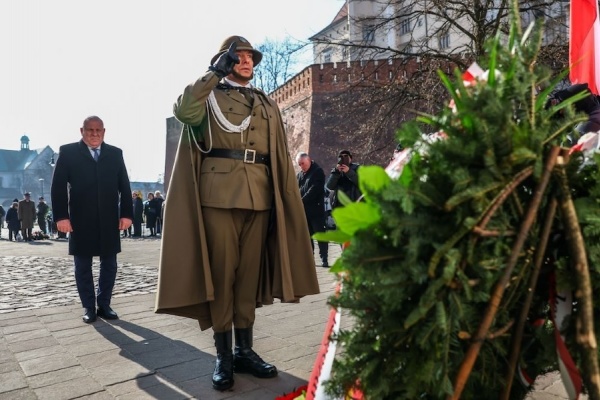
x,y
125,61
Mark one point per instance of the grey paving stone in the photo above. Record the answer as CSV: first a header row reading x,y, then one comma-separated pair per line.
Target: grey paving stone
x,y
40,352
37,343
8,363
119,372
154,360
160,391
105,358
49,363
133,386
20,394
83,386
29,326
12,380
58,376
185,371
89,347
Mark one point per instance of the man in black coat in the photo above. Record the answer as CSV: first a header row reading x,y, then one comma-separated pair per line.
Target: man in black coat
x,y
311,180
90,200
138,214
344,177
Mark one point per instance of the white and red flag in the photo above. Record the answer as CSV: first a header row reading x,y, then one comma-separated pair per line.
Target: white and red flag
x,y
584,45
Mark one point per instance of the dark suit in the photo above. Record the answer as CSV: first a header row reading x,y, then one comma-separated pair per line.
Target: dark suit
x,y
93,196
312,191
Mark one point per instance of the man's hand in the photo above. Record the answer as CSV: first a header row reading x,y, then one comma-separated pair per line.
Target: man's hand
x,y
124,223
64,226
224,64
343,168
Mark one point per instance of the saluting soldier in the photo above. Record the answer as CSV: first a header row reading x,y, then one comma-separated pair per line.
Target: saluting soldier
x,y
234,234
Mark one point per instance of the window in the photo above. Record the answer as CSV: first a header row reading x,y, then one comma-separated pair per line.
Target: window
x,y
368,33
327,56
444,40
405,26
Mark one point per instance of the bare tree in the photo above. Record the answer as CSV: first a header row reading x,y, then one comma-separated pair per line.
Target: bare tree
x,y
279,63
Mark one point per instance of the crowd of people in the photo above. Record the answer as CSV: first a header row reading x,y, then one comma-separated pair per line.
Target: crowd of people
x,y
21,226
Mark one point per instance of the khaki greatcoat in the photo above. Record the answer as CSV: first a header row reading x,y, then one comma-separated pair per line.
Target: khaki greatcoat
x,y
288,271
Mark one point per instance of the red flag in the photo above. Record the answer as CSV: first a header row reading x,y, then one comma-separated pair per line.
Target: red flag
x,y
585,38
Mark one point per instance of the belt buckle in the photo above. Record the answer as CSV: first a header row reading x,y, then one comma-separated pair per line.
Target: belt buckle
x,y
249,156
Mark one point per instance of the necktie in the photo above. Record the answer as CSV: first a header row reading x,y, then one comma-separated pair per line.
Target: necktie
x,y
96,154
248,94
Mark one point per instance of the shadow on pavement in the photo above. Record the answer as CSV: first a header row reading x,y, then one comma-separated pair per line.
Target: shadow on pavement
x,y
167,368
152,352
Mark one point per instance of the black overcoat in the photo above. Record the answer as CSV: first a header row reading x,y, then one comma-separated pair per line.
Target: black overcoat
x,y
138,210
92,195
312,191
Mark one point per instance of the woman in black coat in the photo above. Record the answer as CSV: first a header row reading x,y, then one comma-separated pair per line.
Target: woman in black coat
x,y
12,220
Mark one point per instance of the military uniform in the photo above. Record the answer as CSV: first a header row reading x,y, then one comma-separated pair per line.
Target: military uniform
x,y
219,193
234,234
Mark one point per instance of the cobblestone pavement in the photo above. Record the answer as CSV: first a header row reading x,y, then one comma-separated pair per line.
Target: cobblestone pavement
x,y
46,352
40,273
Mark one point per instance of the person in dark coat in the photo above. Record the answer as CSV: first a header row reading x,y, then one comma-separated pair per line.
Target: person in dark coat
x,y
311,180
27,217
344,177
2,215
42,213
159,200
589,105
138,214
90,200
151,213
12,220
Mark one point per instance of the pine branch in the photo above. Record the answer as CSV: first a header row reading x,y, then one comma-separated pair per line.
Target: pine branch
x,y
469,360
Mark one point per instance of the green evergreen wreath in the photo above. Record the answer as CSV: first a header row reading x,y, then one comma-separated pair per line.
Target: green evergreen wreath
x,y
449,264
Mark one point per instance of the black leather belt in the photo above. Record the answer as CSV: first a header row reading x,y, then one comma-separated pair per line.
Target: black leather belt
x,y
248,156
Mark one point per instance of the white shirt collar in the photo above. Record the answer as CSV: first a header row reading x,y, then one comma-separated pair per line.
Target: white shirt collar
x,y
232,83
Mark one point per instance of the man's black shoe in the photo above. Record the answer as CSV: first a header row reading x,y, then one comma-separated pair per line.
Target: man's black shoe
x,y
89,316
325,264
107,313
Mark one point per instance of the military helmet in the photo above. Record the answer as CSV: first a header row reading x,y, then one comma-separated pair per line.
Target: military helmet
x,y
242,44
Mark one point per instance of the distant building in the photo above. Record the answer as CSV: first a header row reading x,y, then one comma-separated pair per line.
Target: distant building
x,y
25,170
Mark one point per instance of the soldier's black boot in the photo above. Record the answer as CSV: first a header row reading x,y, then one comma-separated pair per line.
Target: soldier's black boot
x,y
222,378
246,361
